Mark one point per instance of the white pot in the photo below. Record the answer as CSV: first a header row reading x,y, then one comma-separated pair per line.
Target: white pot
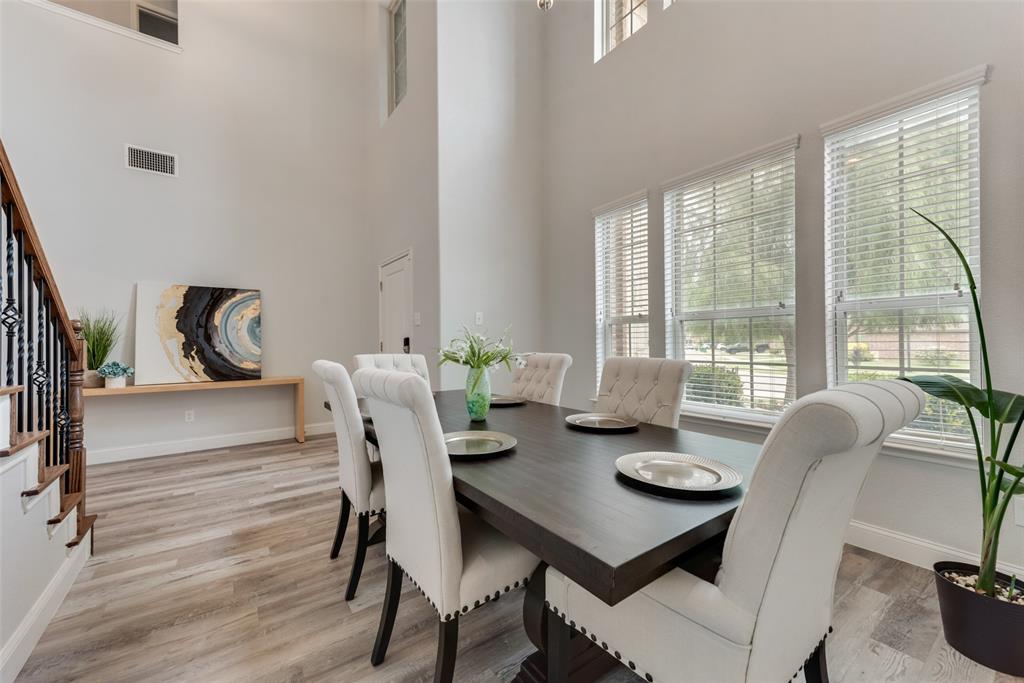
x,y
115,382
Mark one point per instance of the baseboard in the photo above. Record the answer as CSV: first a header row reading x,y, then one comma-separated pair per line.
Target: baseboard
x,y
17,650
99,456
911,549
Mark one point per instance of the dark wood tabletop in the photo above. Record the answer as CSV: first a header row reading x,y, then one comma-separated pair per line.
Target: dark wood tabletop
x,y
557,494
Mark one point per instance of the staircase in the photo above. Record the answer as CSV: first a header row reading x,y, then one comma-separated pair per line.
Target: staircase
x,y
45,532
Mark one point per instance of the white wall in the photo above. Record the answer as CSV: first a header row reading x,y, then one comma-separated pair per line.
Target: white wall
x,y
264,108
489,131
705,81
402,155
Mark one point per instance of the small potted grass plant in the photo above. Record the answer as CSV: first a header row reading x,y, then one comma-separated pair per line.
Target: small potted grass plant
x,y
115,375
983,609
101,332
479,354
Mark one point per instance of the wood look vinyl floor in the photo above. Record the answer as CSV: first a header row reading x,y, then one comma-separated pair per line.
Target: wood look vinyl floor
x,y
214,566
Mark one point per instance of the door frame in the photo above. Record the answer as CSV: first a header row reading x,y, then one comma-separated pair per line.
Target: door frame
x,y
405,253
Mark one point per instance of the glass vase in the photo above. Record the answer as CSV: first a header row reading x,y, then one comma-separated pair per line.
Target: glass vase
x,y
478,393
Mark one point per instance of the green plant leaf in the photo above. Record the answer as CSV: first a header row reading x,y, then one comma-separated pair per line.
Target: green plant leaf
x,y
1012,470
1008,406
1007,487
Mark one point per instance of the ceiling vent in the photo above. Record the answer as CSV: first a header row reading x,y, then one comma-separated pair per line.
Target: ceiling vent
x,y
150,160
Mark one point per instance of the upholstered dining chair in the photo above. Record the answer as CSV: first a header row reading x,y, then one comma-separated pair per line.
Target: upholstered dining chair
x,y
362,480
541,378
403,362
649,389
455,559
771,603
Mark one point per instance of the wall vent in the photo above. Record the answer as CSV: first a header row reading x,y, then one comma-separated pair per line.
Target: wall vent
x,y
150,160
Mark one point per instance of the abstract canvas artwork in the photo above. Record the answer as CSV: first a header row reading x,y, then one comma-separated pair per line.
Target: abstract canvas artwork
x,y
185,333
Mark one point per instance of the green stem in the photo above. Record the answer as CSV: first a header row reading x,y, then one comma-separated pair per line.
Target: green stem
x,y
990,544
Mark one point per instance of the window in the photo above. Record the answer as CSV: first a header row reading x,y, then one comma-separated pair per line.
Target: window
x,y
618,20
620,239
397,54
896,299
156,22
729,281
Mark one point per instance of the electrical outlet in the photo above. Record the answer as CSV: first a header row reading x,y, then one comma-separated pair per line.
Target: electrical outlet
x,y
1018,512
190,416
479,318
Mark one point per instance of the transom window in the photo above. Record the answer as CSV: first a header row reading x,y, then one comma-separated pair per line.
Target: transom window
x,y
729,274
619,19
397,54
897,303
620,240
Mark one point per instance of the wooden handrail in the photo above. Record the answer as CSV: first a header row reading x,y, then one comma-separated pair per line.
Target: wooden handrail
x,y
11,192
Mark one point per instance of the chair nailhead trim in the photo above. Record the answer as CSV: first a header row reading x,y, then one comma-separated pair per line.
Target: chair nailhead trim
x,y
593,637
465,608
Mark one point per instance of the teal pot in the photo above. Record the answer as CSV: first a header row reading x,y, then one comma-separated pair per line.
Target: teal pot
x,y
478,394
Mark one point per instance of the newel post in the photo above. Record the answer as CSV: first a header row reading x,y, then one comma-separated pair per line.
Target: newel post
x,y
76,413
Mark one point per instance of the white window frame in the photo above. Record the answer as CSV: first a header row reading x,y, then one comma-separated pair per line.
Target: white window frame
x,y
674,320
837,364
604,321
601,26
393,99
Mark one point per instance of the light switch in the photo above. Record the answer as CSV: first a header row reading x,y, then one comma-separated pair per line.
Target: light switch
x,y
479,318
416,319
1018,510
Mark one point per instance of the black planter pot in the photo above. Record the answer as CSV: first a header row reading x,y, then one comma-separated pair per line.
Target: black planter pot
x,y
984,629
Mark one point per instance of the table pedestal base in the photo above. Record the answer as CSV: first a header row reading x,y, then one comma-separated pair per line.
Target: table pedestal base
x,y
587,661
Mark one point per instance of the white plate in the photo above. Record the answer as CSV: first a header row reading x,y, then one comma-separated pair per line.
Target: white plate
x,y
602,422
478,444
678,472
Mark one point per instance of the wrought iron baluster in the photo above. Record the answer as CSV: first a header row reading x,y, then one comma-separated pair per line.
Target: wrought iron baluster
x,y
39,376
29,342
22,395
9,315
64,416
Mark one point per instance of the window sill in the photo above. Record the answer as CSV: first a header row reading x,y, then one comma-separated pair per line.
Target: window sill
x,y
896,446
105,25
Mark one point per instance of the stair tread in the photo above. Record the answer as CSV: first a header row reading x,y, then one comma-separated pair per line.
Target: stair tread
x,y
84,524
50,475
23,440
68,502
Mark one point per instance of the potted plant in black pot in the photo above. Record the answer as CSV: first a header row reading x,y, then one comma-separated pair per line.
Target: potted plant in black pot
x,y
983,609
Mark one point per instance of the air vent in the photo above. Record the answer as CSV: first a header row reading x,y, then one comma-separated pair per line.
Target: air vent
x,y
150,160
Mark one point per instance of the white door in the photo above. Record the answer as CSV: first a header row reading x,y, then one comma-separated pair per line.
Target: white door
x,y
396,304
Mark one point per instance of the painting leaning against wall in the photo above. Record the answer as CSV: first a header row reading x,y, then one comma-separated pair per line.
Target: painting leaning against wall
x,y
186,333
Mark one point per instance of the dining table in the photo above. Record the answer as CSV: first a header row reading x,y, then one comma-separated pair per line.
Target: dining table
x,y
558,494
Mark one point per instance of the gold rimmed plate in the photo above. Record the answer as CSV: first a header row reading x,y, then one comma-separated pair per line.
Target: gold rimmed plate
x,y
478,445
506,401
678,474
602,422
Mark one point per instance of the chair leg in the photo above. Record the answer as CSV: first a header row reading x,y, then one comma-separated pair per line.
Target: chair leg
x,y
557,648
816,670
392,594
357,562
447,648
339,535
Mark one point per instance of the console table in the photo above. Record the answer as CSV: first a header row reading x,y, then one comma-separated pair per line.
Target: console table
x,y
297,382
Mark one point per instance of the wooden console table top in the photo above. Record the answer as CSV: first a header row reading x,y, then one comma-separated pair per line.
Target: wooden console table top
x,y
296,381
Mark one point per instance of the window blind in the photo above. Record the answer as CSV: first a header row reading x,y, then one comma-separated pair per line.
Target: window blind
x,y
729,279
896,295
620,240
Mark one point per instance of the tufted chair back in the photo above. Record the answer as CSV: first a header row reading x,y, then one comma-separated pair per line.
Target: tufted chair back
x,y
403,362
541,380
785,542
649,389
424,536
353,454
